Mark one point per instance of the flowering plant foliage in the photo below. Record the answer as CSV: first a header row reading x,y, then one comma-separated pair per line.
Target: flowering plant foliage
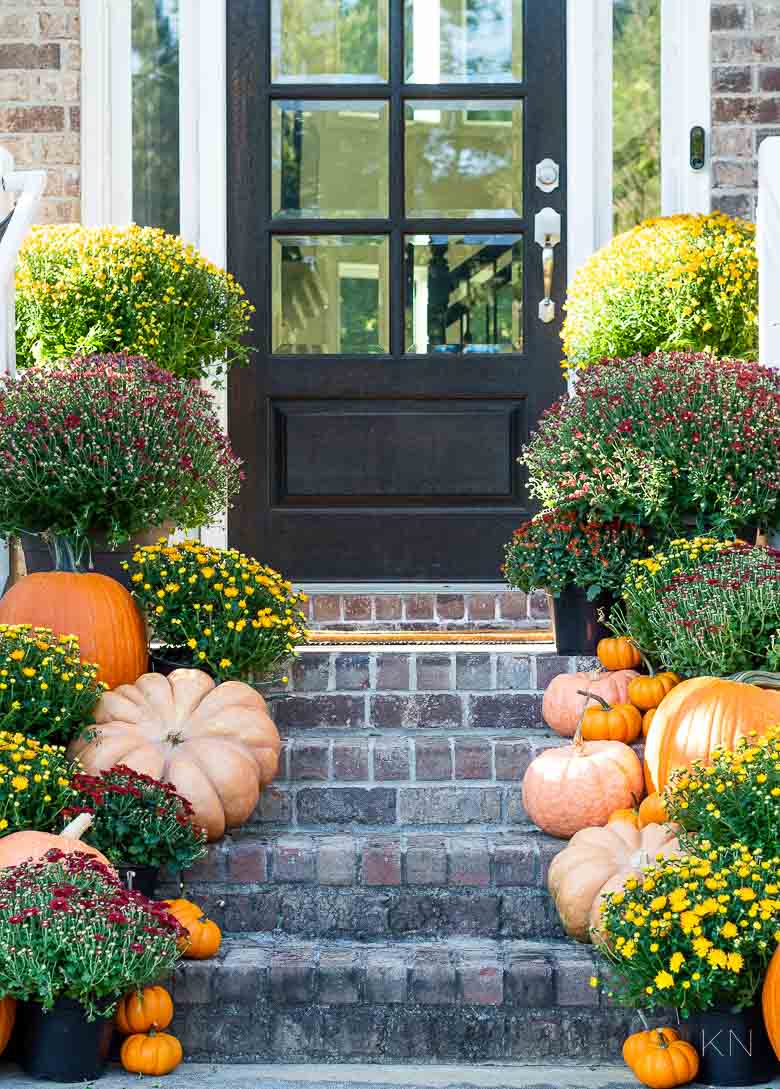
x,y
35,783
109,444
682,282
735,798
137,819
658,439
696,931
231,614
557,548
45,689
109,289
703,606
69,928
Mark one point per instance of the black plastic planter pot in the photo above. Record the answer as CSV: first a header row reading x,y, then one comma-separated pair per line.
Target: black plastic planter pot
x,y
141,879
733,1046
575,621
62,1045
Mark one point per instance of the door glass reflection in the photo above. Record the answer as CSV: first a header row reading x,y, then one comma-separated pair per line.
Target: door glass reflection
x,y
329,295
463,41
464,293
328,41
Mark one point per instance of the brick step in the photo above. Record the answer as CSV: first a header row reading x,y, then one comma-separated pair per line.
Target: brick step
x,y
457,1000
379,886
399,688
492,609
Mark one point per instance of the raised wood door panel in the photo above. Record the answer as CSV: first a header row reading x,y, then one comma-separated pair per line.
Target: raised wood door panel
x,y
400,360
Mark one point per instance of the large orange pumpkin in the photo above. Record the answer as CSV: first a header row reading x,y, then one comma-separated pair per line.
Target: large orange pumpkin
x,y
7,1019
95,608
578,786
770,1001
598,861
215,743
563,701
22,846
706,713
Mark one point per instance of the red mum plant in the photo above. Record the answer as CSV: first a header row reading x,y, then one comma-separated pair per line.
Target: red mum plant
x,y
663,441
109,444
137,819
558,549
68,928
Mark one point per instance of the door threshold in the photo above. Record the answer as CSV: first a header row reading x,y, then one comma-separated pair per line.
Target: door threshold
x,y
404,587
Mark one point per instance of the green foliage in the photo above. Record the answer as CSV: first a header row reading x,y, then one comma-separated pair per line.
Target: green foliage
x,y
35,783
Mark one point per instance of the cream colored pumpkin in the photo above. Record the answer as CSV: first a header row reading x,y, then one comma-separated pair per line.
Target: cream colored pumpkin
x,y
598,861
215,743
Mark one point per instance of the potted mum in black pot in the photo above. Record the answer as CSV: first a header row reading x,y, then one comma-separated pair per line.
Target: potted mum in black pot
x,y
73,940
139,823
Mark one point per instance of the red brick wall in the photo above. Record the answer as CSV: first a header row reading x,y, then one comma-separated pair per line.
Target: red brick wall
x,y
40,97
745,97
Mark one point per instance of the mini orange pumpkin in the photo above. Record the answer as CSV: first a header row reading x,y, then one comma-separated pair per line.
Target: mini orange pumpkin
x,y
205,935
647,692
620,653
610,722
629,816
647,720
652,811
139,1011
7,1021
21,846
154,1054
635,1044
663,1063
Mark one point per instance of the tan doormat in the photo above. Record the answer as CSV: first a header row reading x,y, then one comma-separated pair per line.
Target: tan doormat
x,y
523,635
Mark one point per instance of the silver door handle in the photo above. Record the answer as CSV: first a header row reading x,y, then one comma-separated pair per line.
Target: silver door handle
x,y
547,235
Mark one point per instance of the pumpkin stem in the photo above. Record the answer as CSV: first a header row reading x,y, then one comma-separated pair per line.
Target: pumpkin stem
x,y
646,662
593,696
662,1041
78,826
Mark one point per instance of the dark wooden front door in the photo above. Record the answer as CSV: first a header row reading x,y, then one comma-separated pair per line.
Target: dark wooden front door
x,y
383,194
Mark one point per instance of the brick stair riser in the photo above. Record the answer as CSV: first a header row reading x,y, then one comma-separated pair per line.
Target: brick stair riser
x,y
450,691
380,1003
414,611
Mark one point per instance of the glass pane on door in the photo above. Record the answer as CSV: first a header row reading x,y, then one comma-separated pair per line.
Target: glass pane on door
x,y
329,159
329,295
463,41
329,41
464,159
464,293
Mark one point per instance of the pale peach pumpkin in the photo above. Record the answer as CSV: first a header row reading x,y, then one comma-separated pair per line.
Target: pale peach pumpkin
x,y
215,743
23,846
598,861
579,785
563,703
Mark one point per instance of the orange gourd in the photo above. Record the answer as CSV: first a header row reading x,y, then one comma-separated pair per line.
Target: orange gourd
x,y
630,815
95,608
139,1011
7,1021
662,1062
706,713
636,1043
22,846
205,935
770,1001
619,653
647,692
652,811
577,786
153,1054
610,722
215,743
647,719
562,704
598,861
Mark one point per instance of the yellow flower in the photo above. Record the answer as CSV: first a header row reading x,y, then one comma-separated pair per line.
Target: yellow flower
x,y
728,930
28,671
676,961
20,782
16,655
663,981
735,962
224,663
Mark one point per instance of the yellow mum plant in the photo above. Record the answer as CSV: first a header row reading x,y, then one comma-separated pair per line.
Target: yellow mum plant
x,y
35,783
682,283
84,290
217,609
695,932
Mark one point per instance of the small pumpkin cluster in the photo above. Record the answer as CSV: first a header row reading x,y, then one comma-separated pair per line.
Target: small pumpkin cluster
x,y
142,1017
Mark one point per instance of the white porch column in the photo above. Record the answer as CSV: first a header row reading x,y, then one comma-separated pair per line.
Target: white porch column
x,y
768,247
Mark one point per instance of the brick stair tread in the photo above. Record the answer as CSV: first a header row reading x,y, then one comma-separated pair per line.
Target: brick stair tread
x,y
475,1000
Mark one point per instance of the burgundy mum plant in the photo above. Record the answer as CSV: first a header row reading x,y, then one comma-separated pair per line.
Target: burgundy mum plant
x,y
663,440
69,928
110,444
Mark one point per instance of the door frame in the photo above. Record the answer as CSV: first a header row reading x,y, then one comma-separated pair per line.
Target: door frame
x,y
106,137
